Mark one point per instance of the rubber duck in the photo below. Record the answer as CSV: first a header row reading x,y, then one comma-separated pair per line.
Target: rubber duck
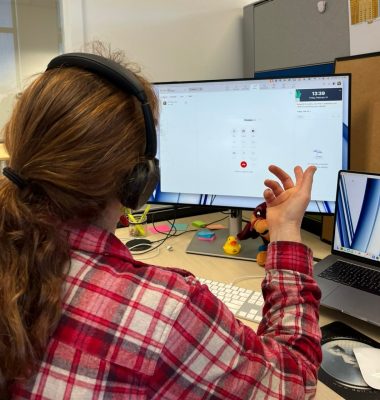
x,y
232,246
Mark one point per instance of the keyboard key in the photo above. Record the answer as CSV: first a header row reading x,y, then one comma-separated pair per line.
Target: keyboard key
x,y
353,275
244,303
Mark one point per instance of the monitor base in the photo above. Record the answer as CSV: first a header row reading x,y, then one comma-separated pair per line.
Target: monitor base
x,y
248,252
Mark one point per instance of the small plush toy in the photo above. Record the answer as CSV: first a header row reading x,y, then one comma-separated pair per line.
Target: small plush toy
x,y
231,246
258,226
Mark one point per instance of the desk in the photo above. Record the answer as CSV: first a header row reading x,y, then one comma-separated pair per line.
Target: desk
x,y
227,270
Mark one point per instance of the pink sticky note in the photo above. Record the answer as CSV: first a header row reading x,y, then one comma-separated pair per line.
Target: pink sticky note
x,y
159,228
206,239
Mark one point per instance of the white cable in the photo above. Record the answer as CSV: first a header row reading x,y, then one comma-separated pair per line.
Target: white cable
x,y
139,245
247,277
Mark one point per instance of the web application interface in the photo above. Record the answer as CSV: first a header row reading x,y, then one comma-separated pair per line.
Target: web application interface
x,y
217,139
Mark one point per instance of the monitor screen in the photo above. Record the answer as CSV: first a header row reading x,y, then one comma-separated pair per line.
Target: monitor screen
x,y
216,139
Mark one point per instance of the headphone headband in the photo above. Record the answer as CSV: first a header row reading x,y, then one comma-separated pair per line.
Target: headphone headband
x,y
139,184
122,78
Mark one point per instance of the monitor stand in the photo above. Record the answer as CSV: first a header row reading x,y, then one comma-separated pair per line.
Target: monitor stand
x,y
249,247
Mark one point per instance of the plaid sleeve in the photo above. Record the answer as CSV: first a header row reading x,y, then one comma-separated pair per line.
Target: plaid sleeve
x,y
211,354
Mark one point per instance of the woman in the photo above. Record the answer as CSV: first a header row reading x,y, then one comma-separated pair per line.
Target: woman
x,y
80,319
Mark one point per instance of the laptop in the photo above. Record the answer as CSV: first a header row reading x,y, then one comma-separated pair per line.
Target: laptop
x,y
349,277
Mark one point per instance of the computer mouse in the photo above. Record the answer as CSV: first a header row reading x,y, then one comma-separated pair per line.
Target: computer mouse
x,y
368,359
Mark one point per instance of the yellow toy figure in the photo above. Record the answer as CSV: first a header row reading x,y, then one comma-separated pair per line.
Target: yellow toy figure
x,y
258,226
231,246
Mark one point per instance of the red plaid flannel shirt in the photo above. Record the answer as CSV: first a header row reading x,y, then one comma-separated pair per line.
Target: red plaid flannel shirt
x,y
135,331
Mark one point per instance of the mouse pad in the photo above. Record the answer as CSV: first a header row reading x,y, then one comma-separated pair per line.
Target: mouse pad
x,y
339,369
138,244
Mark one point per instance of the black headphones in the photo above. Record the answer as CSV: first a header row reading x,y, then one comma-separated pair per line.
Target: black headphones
x,y
140,183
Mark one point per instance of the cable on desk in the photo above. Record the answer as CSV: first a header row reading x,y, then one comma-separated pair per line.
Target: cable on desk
x,y
246,278
195,230
218,220
160,241
169,235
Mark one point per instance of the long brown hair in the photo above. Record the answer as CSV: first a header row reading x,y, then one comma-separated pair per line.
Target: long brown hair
x,y
73,137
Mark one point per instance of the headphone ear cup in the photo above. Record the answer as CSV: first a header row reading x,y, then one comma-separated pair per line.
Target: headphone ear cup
x,y
138,186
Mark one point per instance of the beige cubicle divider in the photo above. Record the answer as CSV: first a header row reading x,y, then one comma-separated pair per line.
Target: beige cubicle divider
x,y
365,109
365,118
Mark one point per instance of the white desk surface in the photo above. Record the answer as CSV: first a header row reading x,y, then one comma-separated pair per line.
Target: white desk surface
x,y
227,270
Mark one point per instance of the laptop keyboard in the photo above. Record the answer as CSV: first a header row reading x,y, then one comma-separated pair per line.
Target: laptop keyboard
x,y
353,275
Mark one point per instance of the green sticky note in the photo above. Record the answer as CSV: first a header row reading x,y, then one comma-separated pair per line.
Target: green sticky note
x,y
199,224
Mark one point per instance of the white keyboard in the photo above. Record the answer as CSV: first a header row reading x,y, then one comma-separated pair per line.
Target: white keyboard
x,y
244,303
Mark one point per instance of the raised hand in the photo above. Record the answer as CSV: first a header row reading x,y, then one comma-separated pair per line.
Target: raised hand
x,y
287,202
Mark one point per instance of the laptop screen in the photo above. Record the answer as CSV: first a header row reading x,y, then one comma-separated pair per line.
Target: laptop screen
x,y
357,215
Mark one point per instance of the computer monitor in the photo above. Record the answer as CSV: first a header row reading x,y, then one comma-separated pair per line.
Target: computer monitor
x,y
216,139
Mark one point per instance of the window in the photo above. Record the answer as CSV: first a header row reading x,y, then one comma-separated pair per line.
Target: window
x,y
30,35
8,49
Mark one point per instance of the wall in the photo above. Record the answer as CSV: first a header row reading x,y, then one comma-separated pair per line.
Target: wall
x,y
38,40
301,34
38,35
170,39
365,37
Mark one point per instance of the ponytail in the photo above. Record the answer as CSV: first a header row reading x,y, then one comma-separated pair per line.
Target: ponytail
x,y
33,261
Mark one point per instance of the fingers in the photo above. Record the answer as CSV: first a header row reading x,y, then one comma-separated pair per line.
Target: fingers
x,y
298,172
274,186
304,181
269,196
308,176
285,179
